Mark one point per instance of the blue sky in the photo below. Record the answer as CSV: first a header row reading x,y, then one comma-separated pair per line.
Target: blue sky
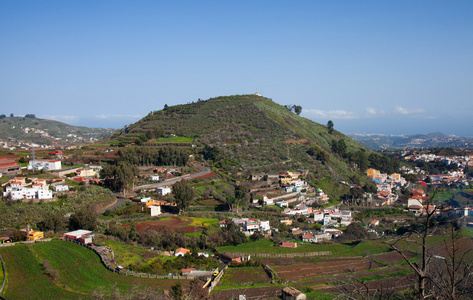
x,y
394,67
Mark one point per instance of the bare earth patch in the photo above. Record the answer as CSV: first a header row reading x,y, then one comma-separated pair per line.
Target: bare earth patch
x,y
173,224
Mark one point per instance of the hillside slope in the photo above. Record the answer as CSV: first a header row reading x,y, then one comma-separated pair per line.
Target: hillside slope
x,y
47,132
252,133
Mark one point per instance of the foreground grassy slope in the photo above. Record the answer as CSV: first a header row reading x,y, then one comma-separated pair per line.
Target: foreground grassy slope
x,y
64,270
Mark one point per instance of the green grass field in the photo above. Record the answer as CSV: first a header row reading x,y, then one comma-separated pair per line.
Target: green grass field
x,y
175,139
64,270
266,246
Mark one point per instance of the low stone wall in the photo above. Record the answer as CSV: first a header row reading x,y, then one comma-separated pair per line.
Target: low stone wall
x,y
270,272
4,275
25,242
112,266
217,278
283,255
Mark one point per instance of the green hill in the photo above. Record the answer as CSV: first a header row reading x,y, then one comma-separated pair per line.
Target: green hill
x,y
248,133
48,132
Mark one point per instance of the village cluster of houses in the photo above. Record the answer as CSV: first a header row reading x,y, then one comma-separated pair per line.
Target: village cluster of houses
x,y
19,189
385,185
418,203
459,161
250,226
330,219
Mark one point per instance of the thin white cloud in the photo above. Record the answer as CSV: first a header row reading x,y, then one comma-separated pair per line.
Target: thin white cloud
x,y
370,111
61,118
107,117
329,114
406,111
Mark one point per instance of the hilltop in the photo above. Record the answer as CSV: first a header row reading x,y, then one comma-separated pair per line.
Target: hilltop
x,y
30,129
248,133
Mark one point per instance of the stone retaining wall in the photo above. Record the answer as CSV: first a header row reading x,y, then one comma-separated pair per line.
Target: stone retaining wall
x,y
283,255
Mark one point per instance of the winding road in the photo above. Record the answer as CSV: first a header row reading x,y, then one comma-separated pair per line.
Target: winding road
x,y
203,172
121,200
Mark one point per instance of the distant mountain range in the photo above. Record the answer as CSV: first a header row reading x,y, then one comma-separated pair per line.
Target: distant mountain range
x,y
437,139
29,129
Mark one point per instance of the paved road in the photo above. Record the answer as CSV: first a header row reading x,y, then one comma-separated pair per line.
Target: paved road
x,y
168,182
121,200
294,194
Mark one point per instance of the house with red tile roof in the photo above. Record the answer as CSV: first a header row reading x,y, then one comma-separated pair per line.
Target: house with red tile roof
x,y
181,252
288,245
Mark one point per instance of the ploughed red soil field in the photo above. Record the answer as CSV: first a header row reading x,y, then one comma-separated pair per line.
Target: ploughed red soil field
x,y
332,275
173,224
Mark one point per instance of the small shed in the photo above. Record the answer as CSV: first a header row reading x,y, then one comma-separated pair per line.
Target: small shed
x,y
155,210
230,257
290,293
163,190
187,271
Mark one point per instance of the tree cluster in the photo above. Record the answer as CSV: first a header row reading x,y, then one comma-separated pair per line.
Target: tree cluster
x,y
297,109
118,177
167,156
85,218
318,154
229,235
211,153
183,194
330,126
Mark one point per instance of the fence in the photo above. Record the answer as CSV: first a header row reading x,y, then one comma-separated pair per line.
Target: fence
x,y
283,255
112,266
4,275
25,242
217,278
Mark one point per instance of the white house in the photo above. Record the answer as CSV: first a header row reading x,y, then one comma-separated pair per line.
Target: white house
x,y
282,204
15,193
265,225
299,210
316,237
327,220
46,164
29,193
155,210
61,188
154,177
20,193
298,183
251,225
44,194
318,216
268,201
163,190
181,252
